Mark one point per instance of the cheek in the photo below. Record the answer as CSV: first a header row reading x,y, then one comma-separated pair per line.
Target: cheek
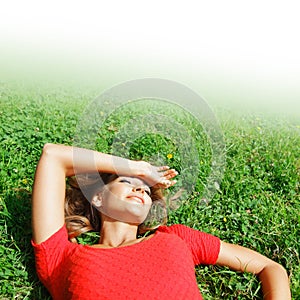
x,y
148,204
114,192
148,200
111,200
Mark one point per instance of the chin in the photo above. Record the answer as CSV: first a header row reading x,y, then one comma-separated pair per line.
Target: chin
x,y
137,220
131,216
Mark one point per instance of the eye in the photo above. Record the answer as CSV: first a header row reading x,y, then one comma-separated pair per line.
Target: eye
x,y
125,180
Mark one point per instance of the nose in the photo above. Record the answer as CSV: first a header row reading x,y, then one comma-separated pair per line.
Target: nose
x,y
140,189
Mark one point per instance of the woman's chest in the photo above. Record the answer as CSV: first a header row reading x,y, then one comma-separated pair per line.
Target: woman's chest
x,y
148,267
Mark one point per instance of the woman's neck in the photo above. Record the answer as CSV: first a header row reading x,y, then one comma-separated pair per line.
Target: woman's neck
x,y
115,233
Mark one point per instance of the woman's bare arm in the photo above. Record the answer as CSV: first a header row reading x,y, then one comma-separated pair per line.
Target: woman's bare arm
x,y
58,162
273,277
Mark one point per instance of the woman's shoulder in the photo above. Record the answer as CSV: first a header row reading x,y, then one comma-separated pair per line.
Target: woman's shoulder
x,y
187,233
52,253
174,228
57,239
205,247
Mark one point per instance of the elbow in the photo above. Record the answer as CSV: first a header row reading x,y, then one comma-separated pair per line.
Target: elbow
x,y
50,149
274,268
47,148
283,270
278,267
275,282
60,156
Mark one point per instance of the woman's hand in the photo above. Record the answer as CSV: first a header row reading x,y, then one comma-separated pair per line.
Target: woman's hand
x,y
159,177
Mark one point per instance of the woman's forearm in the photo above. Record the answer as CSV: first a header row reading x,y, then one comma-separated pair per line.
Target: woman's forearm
x,y
274,279
275,282
75,160
78,160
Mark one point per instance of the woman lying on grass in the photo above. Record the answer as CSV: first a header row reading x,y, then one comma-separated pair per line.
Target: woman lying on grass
x,y
124,265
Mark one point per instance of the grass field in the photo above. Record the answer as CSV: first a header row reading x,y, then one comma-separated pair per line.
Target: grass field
x,y
256,204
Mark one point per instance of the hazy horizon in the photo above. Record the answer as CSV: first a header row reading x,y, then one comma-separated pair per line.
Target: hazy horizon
x,y
232,54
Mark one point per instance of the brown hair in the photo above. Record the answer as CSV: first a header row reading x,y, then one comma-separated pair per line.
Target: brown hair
x,y
81,216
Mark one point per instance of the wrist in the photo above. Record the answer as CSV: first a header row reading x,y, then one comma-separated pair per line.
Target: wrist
x,y
139,169
127,167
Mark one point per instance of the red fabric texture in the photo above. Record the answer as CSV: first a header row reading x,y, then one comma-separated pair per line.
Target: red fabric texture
x,y
161,267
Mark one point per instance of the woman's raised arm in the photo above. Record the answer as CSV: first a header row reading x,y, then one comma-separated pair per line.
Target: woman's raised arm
x,y
273,277
58,162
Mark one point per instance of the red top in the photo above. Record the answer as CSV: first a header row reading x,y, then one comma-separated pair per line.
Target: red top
x,y
161,267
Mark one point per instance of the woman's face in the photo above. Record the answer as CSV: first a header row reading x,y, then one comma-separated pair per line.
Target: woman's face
x,y
126,199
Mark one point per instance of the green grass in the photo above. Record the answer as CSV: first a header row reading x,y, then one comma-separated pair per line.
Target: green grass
x,y
256,204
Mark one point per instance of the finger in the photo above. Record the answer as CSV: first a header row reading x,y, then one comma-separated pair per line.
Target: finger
x,y
167,183
162,168
171,183
169,176
162,184
170,173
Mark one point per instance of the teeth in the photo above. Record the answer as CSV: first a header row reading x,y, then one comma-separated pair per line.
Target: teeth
x,y
136,199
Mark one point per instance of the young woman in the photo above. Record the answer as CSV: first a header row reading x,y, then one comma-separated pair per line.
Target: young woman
x,y
123,265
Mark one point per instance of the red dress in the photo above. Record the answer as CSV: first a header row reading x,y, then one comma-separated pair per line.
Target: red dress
x,y
162,267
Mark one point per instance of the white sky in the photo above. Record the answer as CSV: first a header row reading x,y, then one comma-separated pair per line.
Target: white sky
x,y
250,39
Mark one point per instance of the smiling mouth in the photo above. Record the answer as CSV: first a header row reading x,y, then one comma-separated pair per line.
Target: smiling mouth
x,y
136,199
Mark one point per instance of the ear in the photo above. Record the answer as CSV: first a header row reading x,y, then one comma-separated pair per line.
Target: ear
x,y
97,200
